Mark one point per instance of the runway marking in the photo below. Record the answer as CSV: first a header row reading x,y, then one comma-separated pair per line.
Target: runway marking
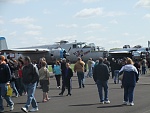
x,y
147,111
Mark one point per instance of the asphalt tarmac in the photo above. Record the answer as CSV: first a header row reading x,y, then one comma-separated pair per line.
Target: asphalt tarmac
x,y
86,100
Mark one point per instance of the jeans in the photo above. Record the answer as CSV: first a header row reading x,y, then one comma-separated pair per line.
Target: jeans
x,y
100,86
58,79
30,88
3,91
116,76
21,87
90,72
14,88
67,83
143,70
81,78
128,93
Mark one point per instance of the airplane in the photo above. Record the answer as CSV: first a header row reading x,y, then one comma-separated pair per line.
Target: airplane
x,y
137,52
126,51
140,53
62,49
34,53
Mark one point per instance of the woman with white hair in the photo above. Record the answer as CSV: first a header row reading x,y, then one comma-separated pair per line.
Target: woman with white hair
x,y
130,77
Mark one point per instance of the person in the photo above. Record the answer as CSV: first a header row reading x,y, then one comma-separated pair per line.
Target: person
x,y
63,69
79,68
107,62
29,78
112,65
130,77
44,77
101,76
89,62
57,71
13,65
117,67
143,63
67,80
20,83
137,65
5,76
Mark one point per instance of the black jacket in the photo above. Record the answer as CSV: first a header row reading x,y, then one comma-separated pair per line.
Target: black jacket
x,y
5,74
29,74
101,72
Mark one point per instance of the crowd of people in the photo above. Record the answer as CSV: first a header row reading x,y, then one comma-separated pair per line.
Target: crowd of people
x,y
25,75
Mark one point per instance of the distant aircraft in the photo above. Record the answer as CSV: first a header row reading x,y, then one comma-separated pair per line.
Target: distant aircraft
x,y
34,53
123,52
62,49
143,52
136,52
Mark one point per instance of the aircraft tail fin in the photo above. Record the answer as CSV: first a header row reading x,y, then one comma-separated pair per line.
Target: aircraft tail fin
x,y
3,44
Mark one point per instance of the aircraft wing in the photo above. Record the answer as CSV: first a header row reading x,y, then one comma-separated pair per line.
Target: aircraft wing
x,y
120,52
26,50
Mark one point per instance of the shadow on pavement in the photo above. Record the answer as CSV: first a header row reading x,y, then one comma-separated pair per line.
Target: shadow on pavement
x,y
85,104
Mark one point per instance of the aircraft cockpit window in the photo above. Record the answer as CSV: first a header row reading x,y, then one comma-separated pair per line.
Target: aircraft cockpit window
x,y
74,46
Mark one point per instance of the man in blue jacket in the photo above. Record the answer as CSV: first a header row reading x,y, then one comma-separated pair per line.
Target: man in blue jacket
x,y
5,77
101,75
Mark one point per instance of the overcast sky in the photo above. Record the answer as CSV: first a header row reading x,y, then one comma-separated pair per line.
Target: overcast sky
x,y
107,23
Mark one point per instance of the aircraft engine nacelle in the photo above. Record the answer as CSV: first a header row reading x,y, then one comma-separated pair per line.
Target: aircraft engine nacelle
x,y
58,53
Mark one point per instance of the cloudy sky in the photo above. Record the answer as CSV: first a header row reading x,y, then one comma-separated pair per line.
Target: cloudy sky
x,y
107,23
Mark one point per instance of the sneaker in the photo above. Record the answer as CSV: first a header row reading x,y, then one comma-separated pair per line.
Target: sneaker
x,y
102,102
131,104
60,93
24,109
11,107
17,95
107,102
34,109
83,86
125,103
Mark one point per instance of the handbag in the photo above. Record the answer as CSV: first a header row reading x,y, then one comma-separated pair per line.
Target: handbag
x,y
121,76
9,90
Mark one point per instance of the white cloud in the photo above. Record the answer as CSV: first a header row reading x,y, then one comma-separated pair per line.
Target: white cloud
x,y
1,21
86,32
13,33
113,22
16,1
147,16
143,3
91,12
67,26
113,14
32,33
90,1
125,34
2,31
46,11
67,37
34,27
96,26
25,20
69,2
